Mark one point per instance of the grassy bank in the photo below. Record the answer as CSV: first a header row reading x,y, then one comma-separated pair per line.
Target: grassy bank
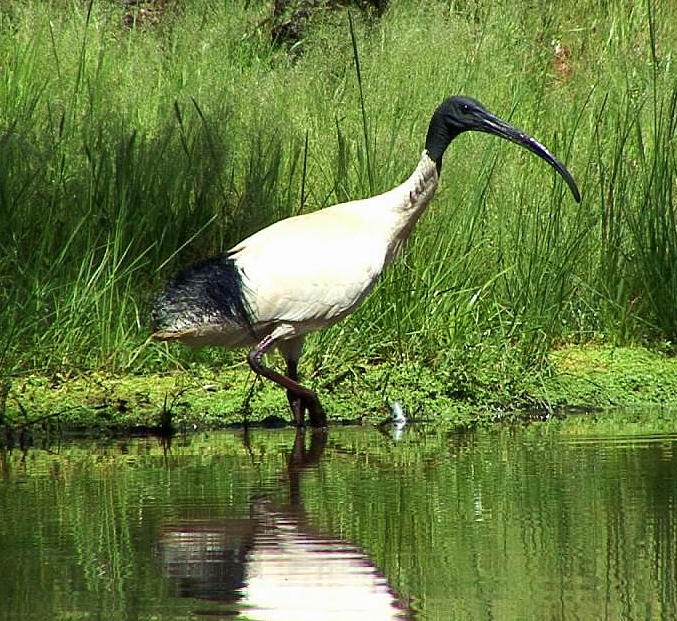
x,y
129,151
591,380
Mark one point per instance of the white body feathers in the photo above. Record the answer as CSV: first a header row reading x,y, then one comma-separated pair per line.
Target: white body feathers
x,y
307,272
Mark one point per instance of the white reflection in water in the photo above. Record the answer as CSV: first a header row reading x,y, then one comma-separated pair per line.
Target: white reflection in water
x,y
293,575
272,566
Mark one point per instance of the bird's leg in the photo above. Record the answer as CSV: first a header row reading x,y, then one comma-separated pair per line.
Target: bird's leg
x,y
300,397
299,403
291,349
296,403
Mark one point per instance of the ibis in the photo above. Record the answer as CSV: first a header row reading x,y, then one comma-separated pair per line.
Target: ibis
x,y
307,272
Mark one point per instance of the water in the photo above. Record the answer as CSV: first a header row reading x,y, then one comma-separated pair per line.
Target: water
x,y
549,521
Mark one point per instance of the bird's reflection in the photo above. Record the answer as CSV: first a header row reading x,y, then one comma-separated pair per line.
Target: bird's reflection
x,y
272,566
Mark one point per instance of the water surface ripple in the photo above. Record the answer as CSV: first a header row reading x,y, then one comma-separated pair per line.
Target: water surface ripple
x,y
549,521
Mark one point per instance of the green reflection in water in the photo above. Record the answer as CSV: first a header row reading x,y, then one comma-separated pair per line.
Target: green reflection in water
x,y
552,521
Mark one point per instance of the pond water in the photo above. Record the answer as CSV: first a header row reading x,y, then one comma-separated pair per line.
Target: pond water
x,y
558,520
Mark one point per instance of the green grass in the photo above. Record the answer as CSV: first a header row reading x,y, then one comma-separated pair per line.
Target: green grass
x,y
128,153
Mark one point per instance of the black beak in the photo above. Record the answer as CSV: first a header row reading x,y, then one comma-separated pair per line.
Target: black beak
x,y
493,125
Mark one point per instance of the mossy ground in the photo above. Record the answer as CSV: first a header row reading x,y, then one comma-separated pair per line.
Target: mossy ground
x,y
625,377
591,378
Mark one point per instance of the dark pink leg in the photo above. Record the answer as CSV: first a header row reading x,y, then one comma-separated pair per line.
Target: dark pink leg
x,y
300,398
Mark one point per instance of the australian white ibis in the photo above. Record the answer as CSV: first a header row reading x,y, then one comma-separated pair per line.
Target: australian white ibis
x,y
308,272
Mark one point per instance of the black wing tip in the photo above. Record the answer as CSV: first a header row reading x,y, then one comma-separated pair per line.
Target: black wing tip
x,y
212,287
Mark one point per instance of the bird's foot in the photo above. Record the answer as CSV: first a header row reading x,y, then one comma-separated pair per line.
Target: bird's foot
x,y
300,403
316,414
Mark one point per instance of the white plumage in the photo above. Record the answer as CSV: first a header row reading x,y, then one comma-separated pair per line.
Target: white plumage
x,y
344,248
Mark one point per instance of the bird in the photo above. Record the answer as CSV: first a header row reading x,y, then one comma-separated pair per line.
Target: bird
x,y
307,272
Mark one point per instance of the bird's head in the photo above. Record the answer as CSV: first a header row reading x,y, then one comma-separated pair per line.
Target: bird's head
x,y
461,114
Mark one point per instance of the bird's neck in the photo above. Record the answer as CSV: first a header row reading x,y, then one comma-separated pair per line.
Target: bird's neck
x,y
409,200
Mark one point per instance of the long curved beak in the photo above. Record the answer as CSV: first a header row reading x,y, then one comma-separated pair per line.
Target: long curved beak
x,y
493,125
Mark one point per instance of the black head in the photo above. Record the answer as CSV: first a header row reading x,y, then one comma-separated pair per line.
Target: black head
x,y
461,114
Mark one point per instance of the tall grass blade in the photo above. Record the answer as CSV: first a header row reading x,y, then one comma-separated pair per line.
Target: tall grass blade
x,y
363,107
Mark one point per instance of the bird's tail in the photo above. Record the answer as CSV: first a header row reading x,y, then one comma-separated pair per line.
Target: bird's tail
x,y
206,298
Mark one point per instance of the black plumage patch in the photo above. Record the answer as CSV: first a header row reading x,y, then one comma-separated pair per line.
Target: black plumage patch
x,y
209,293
